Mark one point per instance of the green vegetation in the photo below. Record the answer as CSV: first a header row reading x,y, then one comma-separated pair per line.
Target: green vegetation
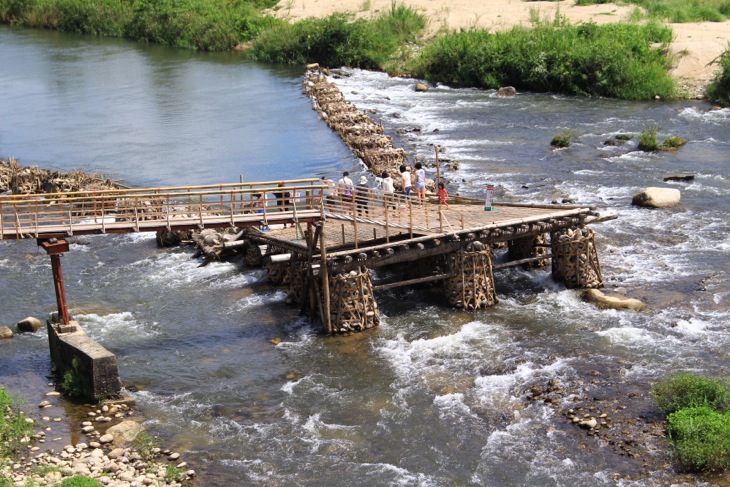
x,y
648,141
614,60
623,60
624,136
719,90
80,481
145,444
340,41
685,390
14,429
74,384
679,10
189,24
699,422
701,438
564,139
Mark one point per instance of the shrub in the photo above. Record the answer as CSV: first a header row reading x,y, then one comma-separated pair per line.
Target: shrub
x,y
80,481
719,90
74,383
338,40
648,141
614,60
564,139
701,438
685,390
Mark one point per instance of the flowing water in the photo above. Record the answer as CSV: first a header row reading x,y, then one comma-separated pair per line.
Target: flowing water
x,y
434,396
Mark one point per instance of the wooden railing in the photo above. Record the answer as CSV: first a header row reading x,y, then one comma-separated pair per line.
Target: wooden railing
x,y
149,209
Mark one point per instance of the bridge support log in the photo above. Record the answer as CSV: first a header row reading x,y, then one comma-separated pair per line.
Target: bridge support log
x,y
471,285
575,259
529,247
352,303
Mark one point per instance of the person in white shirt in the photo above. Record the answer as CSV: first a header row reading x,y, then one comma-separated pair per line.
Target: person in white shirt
x,y
388,189
405,176
346,189
420,183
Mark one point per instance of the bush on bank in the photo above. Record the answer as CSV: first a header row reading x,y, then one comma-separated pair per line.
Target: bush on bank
x,y
698,420
719,90
189,24
613,60
338,40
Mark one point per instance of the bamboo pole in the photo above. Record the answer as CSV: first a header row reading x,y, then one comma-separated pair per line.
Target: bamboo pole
x,y
324,276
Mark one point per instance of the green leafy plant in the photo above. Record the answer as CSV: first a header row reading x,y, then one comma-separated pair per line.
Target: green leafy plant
x,y
145,444
685,390
701,438
173,473
564,139
624,136
74,383
719,90
648,141
14,429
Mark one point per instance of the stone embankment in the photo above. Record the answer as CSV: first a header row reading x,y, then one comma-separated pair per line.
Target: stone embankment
x,y
362,135
17,179
106,454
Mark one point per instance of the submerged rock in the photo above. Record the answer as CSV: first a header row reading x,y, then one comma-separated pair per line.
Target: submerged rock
x,y
613,302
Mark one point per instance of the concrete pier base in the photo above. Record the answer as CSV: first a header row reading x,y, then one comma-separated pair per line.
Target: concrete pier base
x,y
93,368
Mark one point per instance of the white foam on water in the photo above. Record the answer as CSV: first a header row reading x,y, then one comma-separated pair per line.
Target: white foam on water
x,y
709,116
122,327
172,269
256,300
453,408
640,339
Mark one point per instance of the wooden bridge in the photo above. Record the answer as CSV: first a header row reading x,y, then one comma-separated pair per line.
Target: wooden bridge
x,y
324,246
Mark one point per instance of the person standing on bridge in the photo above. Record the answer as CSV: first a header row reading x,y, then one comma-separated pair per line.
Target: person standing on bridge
x,y
346,189
420,184
405,176
282,199
388,189
362,193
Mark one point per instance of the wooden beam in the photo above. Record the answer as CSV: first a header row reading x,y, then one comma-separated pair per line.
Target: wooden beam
x,y
420,280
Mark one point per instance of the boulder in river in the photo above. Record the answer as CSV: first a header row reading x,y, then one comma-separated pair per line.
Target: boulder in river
x,y
29,325
5,332
656,198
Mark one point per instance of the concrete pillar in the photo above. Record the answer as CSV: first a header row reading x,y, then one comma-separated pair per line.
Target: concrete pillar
x,y
89,370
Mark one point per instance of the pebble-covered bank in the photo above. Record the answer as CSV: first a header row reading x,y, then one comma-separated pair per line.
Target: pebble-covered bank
x,y
106,453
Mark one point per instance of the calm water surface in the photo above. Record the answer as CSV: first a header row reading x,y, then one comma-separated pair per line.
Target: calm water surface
x,y
433,397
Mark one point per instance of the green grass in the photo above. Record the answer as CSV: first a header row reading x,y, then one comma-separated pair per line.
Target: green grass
x,y
208,25
80,481
719,90
679,10
698,420
614,60
14,429
685,390
701,438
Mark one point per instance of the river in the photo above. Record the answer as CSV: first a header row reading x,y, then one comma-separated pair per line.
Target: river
x,y
434,396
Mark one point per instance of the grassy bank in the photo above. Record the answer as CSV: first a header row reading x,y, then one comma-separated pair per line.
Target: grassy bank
x,y
614,60
677,10
623,60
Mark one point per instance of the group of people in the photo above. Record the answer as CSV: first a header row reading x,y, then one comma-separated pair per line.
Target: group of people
x,y
346,193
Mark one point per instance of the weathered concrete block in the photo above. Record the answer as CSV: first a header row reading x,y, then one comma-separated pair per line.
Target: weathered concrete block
x,y
94,365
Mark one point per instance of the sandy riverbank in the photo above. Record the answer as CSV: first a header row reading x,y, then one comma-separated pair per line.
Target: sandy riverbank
x,y
696,44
